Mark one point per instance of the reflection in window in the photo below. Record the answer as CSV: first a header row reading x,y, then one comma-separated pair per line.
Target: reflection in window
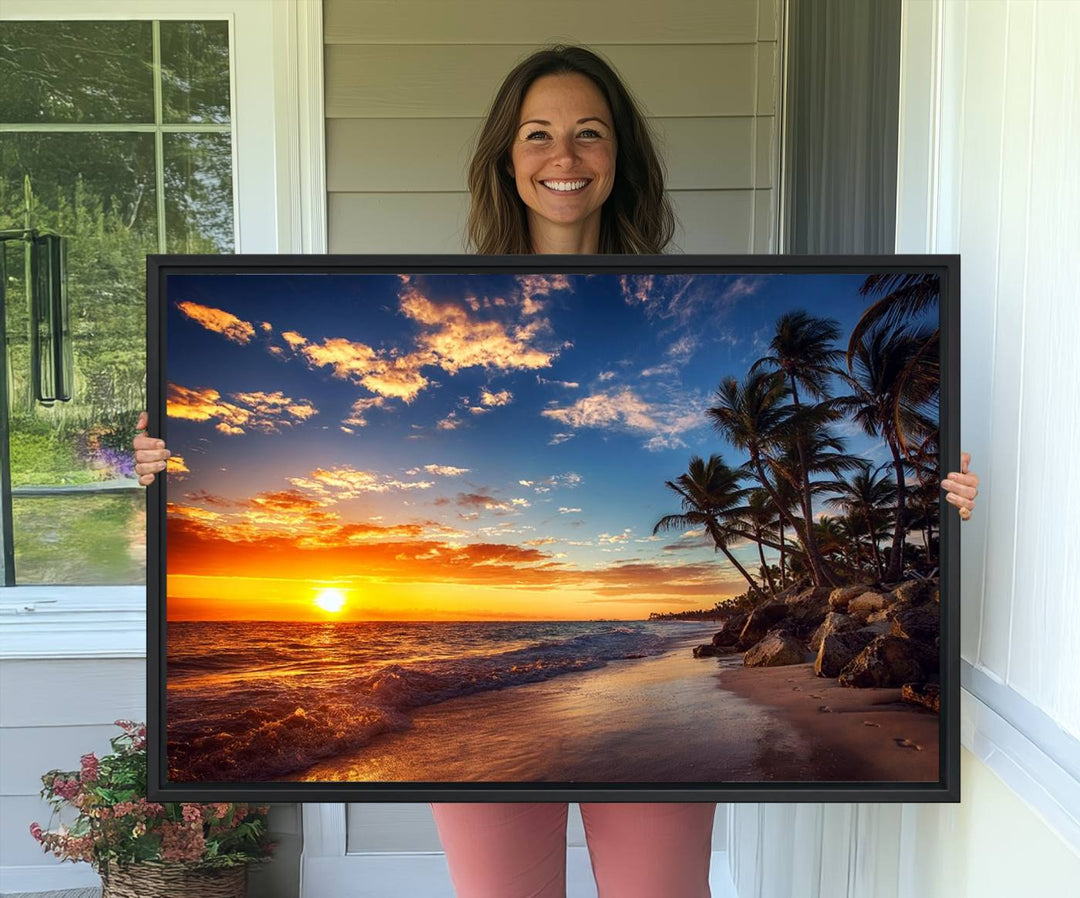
x,y
117,136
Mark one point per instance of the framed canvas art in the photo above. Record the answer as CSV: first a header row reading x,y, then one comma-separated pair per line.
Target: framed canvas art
x,y
470,528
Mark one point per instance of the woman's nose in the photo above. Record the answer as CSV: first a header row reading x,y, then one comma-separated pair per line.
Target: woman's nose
x,y
564,149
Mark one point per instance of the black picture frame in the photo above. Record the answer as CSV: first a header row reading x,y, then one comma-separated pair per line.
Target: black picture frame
x,y
945,789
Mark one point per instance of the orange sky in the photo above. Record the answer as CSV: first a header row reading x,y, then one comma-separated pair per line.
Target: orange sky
x,y
265,569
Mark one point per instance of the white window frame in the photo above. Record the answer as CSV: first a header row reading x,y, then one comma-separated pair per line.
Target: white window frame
x,y
279,206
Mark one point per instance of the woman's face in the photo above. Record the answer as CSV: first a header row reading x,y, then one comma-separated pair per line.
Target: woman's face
x,y
563,154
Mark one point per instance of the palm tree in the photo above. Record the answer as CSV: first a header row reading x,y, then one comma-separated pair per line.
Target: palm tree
x,y
802,350
760,516
750,417
906,296
862,498
923,458
789,497
710,495
886,401
830,536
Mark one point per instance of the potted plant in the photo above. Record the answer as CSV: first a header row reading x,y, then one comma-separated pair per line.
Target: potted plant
x,y
140,847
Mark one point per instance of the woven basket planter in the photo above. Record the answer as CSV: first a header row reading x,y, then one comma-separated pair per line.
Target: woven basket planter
x,y
174,881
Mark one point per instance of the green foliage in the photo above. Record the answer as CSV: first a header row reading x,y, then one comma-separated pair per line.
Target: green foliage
x,y
117,825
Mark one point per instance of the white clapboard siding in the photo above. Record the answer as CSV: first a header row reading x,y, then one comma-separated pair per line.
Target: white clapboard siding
x,y
477,22
708,221
389,155
460,80
53,712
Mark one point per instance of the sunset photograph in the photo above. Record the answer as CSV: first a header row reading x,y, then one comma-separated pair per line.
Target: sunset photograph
x,y
547,528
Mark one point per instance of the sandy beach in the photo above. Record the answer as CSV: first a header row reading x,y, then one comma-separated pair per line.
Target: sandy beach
x,y
871,733
671,718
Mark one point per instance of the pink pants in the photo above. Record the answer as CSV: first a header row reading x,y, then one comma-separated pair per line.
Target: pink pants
x,y
649,850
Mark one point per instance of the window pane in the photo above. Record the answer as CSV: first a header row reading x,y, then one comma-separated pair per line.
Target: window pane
x,y
195,72
81,540
198,193
76,72
98,190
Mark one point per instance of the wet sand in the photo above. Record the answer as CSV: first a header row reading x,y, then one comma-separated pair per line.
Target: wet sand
x,y
671,718
892,740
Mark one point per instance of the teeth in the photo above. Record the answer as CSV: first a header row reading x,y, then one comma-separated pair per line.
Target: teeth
x,y
564,185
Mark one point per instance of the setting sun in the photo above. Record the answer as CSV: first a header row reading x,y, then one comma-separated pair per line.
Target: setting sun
x,y
332,600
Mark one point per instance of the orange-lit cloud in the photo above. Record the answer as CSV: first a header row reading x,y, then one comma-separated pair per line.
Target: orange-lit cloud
x,y
503,397
440,470
255,410
219,321
398,378
359,408
476,501
532,285
175,465
622,409
459,341
343,483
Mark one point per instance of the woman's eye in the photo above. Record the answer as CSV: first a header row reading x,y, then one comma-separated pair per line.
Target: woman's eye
x,y
533,134
590,131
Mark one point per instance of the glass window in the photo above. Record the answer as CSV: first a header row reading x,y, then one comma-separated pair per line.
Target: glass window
x,y
117,136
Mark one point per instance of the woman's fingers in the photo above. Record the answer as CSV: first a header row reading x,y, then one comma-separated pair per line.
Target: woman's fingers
x,y
967,485
149,455
150,452
961,487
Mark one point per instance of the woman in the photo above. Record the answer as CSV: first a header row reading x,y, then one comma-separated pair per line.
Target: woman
x,y
565,164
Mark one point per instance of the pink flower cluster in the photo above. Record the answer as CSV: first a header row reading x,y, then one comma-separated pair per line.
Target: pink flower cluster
x,y
109,831
64,845
181,841
140,808
89,768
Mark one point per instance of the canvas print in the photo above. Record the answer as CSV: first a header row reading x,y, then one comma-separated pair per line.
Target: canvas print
x,y
552,528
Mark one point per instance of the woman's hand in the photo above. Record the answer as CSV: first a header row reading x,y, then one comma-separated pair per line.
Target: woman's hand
x,y
961,488
150,454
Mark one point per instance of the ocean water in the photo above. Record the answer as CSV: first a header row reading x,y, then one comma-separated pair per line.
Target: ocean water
x,y
249,701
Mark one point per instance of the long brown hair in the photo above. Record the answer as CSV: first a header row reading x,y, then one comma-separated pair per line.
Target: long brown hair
x,y
637,216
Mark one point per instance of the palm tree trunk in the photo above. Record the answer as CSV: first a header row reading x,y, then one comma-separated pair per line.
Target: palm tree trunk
x,y
742,571
764,566
873,542
783,557
813,559
896,556
818,564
